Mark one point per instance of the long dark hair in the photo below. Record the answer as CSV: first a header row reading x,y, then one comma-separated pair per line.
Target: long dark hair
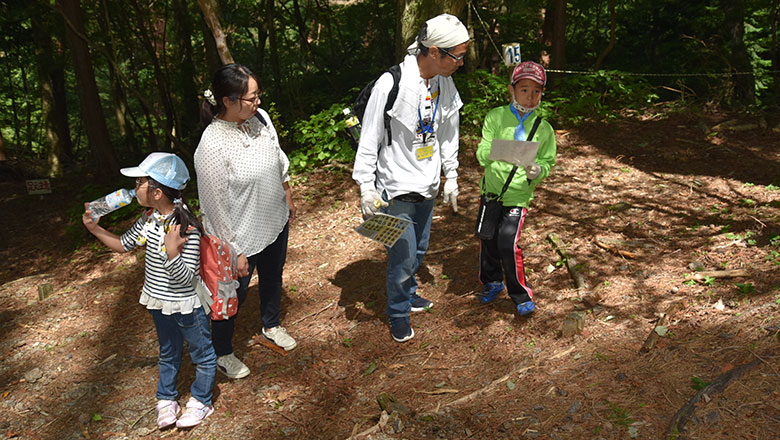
x,y
181,212
229,81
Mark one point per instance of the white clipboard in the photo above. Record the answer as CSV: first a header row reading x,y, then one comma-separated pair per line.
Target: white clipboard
x,y
520,153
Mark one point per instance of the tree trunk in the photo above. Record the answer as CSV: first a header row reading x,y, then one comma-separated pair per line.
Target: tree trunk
x,y
744,85
119,102
272,42
413,13
171,131
302,33
28,108
471,55
61,109
211,14
774,19
558,60
188,91
51,78
3,157
105,164
554,37
210,47
546,37
611,45
11,87
262,36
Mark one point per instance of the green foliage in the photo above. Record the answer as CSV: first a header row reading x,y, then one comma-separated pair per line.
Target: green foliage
x,y
745,288
481,91
600,96
321,138
620,416
773,256
698,384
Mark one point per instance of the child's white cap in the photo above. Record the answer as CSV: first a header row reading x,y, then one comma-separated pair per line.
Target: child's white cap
x,y
166,168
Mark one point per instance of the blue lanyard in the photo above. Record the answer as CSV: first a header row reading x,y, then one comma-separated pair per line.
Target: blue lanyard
x,y
520,129
429,128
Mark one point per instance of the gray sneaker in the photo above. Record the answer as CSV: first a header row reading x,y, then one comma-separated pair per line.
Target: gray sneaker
x,y
230,366
279,336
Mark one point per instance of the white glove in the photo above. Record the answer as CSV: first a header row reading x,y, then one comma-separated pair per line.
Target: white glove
x,y
451,193
371,203
532,171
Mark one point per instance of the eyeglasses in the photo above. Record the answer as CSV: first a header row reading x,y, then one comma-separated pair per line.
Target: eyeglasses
x,y
456,58
252,100
140,181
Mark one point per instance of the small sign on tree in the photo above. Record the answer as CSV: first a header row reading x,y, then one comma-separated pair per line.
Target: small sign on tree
x,y
38,186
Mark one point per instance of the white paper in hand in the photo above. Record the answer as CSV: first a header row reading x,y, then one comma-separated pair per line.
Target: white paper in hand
x,y
384,228
520,153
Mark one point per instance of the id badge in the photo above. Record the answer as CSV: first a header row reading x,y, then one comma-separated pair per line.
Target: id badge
x,y
424,149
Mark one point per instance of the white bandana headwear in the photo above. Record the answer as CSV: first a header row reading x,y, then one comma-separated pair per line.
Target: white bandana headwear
x,y
443,31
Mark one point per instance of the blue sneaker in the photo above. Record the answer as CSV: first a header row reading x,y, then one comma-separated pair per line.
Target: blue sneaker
x,y
419,304
491,291
526,308
400,329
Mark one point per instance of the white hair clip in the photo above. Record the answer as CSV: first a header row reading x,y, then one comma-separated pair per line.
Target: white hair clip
x,y
210,97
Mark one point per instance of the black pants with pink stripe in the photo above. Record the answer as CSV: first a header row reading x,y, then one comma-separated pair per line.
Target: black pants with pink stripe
x,y
501,256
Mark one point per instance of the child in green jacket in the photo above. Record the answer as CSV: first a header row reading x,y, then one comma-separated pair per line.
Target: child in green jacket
x,y
501,255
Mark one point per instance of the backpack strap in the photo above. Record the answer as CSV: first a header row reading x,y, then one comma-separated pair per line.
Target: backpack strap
x,y
260,117
395,71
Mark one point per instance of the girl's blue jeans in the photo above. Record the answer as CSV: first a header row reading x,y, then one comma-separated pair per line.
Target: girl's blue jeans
x,y
172,331
406,255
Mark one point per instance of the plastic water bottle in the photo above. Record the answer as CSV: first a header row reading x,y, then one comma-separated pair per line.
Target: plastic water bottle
x,y
353,127
111,202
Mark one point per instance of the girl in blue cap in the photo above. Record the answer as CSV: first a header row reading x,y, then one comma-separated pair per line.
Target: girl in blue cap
x,y
171,234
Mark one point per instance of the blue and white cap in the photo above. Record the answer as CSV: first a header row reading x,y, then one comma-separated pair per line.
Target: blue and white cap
x,y
166,168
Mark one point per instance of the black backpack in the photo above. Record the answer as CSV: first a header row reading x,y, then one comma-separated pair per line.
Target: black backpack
x,y
359,106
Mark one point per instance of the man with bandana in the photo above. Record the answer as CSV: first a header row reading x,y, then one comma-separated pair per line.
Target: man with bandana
x,y
399,173
501,255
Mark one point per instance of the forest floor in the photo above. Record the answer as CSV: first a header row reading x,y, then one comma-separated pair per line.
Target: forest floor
x,y
669,193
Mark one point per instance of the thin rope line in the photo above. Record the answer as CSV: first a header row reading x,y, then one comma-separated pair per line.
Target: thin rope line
x,y
591,72
488,33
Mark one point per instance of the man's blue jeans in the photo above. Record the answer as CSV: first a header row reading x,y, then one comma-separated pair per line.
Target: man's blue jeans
x,y
406,255
172,331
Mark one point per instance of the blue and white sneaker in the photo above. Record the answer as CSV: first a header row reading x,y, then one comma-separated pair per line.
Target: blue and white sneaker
x,y
491,291
526,308
400,329
420,304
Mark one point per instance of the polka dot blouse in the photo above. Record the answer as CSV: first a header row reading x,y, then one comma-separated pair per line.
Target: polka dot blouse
x,y
240,171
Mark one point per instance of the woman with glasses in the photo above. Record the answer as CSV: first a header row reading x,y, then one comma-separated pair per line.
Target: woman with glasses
x,y
245,199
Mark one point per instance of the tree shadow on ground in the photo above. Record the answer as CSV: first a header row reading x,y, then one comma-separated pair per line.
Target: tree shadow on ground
x,y
685,144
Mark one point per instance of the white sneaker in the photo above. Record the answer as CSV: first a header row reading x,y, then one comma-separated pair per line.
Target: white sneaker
x,y
279,336
230,366
167,412
194,414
